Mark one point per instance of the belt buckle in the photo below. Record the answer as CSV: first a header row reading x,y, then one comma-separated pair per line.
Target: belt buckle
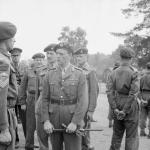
x,y
62,102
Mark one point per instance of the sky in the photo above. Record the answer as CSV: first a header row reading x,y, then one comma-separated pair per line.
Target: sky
x,y
39,22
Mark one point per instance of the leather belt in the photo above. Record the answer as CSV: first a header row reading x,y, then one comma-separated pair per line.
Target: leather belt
x,y
63,101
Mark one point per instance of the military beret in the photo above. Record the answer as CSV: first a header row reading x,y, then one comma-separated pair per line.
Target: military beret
x,y
126,53
16,51
51,47
7,30
81,51
38,55
148,65
65,46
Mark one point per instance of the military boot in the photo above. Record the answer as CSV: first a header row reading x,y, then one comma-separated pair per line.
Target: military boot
x,y
142,133
5,137
148,136
110,124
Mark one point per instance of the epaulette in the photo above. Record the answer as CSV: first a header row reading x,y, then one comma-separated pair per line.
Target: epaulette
x,y
133,69
74,67
50,69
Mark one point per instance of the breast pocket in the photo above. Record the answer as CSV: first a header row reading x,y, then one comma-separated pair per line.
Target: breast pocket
x,y
54,88
31,83
70,87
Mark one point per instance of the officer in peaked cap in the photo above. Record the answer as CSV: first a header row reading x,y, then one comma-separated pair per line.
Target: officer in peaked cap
x,y
81,57
8,86
28,85
124,81
51,64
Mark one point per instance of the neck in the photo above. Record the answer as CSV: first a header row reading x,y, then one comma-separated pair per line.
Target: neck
x,y
50,64
64,65
3,48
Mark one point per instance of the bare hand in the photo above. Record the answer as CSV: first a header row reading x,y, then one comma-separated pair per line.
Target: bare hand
x,y
23,107
48,127
121,115
71,128
90,115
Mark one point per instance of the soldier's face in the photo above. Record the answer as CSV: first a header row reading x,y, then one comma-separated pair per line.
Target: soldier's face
x,y
81,59
38,61
10,43
16,58
51,56
63,57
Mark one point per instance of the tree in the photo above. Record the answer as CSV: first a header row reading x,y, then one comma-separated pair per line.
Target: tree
x,y
75,38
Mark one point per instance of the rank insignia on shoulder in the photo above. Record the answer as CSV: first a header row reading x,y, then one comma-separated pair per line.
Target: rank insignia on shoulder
x,y
4,79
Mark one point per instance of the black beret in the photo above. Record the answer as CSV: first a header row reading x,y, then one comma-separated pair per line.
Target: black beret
x,y
7,30
148,65
51,47
16,51
81,51
126,52
64,46
38,55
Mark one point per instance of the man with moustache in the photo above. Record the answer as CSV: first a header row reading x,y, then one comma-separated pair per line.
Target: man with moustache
x,y
8,87
81,56
51,64
64,101
27,98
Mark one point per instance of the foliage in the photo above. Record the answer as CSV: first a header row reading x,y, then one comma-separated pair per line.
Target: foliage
x,y
75,38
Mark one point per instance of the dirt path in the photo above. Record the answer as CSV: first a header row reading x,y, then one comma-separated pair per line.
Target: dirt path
x,y
101,140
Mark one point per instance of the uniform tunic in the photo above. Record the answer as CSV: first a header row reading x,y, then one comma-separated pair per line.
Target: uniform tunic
x,y
64,100
145,95
27,96
8,95
122,90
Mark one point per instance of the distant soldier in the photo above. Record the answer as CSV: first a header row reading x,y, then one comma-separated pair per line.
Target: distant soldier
x,y
81,56
64,101
27,99
110,113
16,55
8,87
145,101
122,90
51,64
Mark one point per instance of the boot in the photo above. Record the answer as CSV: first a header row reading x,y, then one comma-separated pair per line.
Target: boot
x,y
5,137
148,136
142,133
110,124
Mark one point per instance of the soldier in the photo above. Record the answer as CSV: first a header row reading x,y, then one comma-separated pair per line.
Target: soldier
x,y
51,64
145,101
122,90
110,113
64,101
27,99
16,55
81,56
8,87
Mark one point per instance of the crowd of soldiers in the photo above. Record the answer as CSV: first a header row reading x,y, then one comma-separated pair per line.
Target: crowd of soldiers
x,y
46,97
58,98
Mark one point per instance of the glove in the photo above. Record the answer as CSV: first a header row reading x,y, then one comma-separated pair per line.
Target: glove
x,y
48,127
